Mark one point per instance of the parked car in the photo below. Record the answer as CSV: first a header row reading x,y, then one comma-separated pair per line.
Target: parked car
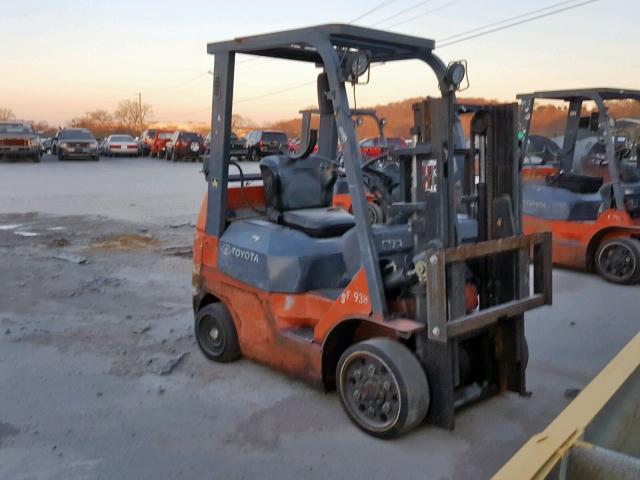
x,y
261,143
146,139
77,143
237,146
184,145
375,147
119,144
18,140
159,142
45,145
54,143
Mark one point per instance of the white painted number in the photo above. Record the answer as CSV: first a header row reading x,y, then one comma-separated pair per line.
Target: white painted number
x,y
359,298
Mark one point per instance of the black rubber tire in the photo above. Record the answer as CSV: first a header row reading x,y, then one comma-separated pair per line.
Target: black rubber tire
x,y
375,212
410,383
96,158
224,347
255,156
35,159
632,246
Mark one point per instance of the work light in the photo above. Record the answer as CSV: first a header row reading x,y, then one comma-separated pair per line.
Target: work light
x,y
456,73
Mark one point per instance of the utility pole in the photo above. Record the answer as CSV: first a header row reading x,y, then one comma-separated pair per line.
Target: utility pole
x,y
140,111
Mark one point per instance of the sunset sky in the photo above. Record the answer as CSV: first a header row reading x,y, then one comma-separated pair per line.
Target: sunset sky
x,y
59,59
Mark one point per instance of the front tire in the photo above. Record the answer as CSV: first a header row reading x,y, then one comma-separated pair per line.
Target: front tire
x,y
382,387
618,260
375,212
216,333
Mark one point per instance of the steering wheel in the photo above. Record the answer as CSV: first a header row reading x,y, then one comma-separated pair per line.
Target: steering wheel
x,y
624,153
372,161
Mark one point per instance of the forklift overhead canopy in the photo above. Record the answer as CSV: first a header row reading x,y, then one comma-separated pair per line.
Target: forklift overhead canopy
x,y
299,44
585,94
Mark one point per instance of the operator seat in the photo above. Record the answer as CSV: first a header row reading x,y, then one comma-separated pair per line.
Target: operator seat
x,y
574,182
298,195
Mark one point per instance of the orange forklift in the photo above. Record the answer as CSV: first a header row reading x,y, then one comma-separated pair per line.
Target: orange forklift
x,y
590,199
408,320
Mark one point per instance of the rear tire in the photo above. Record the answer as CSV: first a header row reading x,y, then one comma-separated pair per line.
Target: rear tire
x,y
216,333
382,387
376,214
618,260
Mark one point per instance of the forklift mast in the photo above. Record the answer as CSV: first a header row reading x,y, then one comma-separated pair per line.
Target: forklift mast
x,y
478,197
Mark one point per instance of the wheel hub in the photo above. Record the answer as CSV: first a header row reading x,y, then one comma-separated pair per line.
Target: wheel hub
x,y
617,260
214,333
372,393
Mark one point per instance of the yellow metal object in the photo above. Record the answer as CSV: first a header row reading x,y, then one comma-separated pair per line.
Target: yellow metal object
x,y
537,458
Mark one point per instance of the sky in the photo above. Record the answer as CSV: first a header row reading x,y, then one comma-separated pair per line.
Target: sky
x,y
61,58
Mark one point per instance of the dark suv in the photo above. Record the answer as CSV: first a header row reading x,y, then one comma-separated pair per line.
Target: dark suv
x,y
77,143
184,145
261,143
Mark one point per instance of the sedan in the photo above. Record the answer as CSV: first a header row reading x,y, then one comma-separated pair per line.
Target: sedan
x,y
77,143
121,145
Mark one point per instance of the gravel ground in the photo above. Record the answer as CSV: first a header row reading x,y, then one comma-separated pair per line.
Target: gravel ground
x,y
101,377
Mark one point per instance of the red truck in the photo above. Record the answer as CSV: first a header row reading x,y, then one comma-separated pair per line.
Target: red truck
x,y
159,144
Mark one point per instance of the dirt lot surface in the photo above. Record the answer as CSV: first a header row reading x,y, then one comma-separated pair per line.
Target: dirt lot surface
x,y
101,377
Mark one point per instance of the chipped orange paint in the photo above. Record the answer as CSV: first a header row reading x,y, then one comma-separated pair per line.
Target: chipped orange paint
x,y
354,300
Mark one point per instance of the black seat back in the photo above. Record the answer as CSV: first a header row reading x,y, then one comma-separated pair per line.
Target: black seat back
x,y
292,184
575,183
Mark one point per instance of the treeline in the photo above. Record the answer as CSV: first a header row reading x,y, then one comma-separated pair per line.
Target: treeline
x,y
399,117
129,117
132,118
548,119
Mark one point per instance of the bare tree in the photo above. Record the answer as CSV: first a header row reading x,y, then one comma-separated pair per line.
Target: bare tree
x,y
7,114
100,122
241,125
132,116
43,128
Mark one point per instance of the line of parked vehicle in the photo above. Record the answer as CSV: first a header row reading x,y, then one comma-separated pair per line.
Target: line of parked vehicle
x,y
18,140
